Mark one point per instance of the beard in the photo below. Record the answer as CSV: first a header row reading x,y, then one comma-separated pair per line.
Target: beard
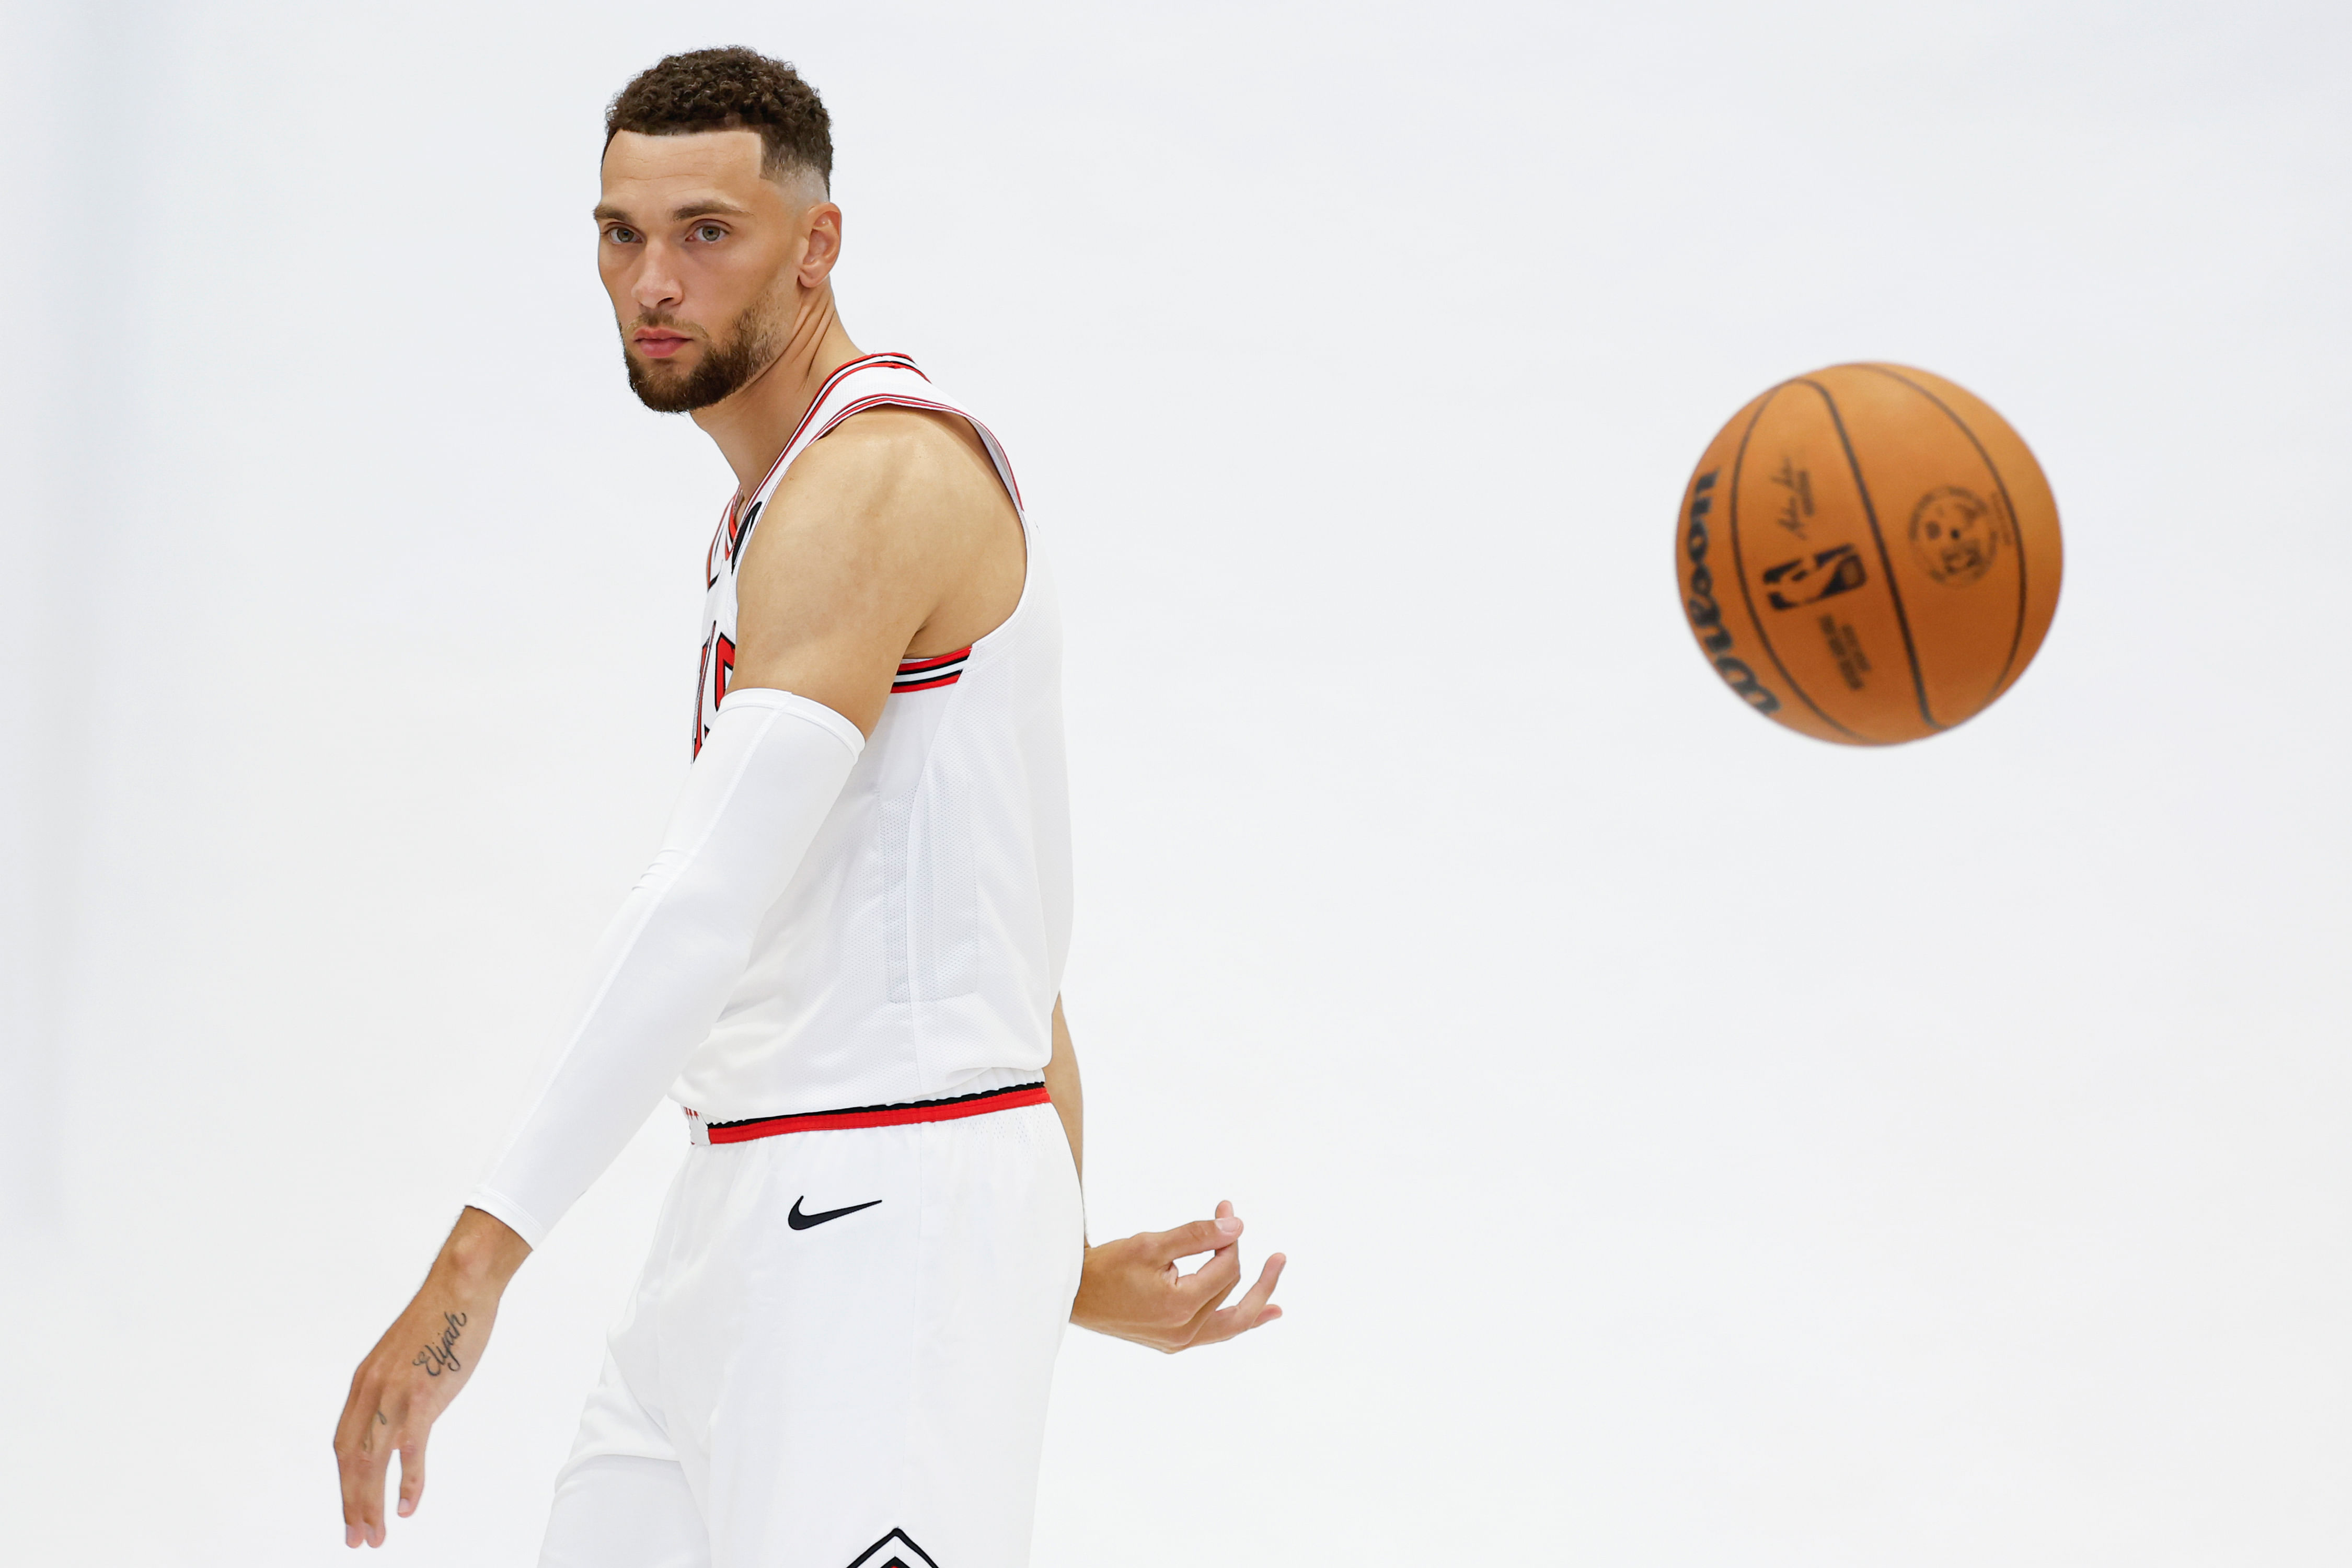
x,y
725,369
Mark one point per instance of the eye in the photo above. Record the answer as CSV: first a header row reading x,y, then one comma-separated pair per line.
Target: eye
x,y
709,233
621,234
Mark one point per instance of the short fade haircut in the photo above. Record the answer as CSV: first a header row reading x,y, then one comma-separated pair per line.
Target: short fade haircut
x,y
732,88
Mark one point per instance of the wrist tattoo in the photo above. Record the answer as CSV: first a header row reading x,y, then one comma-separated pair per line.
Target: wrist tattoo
x,y
441,1355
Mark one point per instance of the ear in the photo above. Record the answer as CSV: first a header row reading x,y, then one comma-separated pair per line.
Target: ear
x,y
823,247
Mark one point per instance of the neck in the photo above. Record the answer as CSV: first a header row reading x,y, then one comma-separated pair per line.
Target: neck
x,y
752,424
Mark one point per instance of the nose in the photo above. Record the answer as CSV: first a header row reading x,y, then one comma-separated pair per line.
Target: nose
x,y
657,288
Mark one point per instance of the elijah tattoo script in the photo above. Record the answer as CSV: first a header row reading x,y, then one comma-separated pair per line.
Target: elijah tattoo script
x,y
441,1355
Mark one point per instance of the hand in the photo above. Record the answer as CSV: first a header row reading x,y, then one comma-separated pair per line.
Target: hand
x,y
1131,1289
417,1368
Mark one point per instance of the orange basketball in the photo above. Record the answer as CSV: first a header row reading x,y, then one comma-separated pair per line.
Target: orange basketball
x,y
1868,555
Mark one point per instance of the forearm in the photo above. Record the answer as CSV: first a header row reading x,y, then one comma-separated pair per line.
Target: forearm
x,y
449,1318
770,768
1069,1097
482,1252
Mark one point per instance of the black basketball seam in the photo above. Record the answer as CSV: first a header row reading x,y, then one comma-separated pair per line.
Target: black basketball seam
x,y
1739,568
2017,637
1918,682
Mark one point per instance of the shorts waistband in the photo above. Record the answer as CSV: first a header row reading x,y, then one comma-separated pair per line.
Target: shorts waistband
x,y
1008,1098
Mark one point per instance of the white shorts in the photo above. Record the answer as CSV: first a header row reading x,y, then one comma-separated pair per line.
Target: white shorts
x,y
837,1357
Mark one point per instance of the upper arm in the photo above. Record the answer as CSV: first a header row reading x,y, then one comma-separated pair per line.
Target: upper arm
x,y
873,529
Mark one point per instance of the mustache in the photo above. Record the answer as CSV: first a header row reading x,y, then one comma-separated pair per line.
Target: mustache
x,y
665,321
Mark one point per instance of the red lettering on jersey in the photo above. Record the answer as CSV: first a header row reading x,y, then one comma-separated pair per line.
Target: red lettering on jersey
x,y
713,677
701,675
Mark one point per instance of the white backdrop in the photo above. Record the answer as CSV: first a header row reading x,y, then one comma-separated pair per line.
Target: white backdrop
x,y
1697,1146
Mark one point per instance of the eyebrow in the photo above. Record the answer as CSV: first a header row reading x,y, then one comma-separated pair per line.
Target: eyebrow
x,y
703,207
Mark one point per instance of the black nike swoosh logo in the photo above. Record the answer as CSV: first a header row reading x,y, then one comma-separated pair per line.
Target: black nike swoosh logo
x,y
800,1221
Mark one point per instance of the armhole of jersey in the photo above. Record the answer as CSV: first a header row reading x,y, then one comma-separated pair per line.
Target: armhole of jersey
x,y
935,671
1010,486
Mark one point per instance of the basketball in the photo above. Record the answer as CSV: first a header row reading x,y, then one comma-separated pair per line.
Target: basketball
x,y
1868,555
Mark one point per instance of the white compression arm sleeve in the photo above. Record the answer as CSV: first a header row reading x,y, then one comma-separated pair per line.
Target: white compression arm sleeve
x,y
769,770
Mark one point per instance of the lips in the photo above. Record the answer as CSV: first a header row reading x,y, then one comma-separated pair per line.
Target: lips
x,y
659,344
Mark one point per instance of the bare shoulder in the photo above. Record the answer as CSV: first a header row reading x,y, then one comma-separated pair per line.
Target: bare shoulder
x,y
902,468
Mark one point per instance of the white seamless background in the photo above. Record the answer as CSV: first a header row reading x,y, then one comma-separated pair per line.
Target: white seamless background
x,y
1697,1146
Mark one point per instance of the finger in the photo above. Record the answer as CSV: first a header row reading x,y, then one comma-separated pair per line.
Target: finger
x,y
363,1507
1211,1282
362,1452
412,1472
1190,1331
1250,1311
1207,1325
1229,1225
1189,1240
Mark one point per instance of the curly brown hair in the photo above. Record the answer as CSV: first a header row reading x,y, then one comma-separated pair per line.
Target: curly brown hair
x,y
732,88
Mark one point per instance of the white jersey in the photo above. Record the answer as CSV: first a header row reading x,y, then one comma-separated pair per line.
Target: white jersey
x,y
918,951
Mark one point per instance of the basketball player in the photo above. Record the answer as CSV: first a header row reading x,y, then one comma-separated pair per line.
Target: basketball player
x,y
845,961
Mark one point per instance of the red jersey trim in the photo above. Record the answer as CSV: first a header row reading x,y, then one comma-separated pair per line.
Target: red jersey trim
x,y
922,1110
923,674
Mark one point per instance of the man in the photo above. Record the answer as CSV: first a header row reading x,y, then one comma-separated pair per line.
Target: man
x,y
845,961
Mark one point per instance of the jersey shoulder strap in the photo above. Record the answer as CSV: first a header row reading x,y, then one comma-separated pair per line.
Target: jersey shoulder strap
x,y
871,381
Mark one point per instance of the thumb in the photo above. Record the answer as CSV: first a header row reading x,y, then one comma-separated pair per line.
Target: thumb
x,y
1200,1235
412,1471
